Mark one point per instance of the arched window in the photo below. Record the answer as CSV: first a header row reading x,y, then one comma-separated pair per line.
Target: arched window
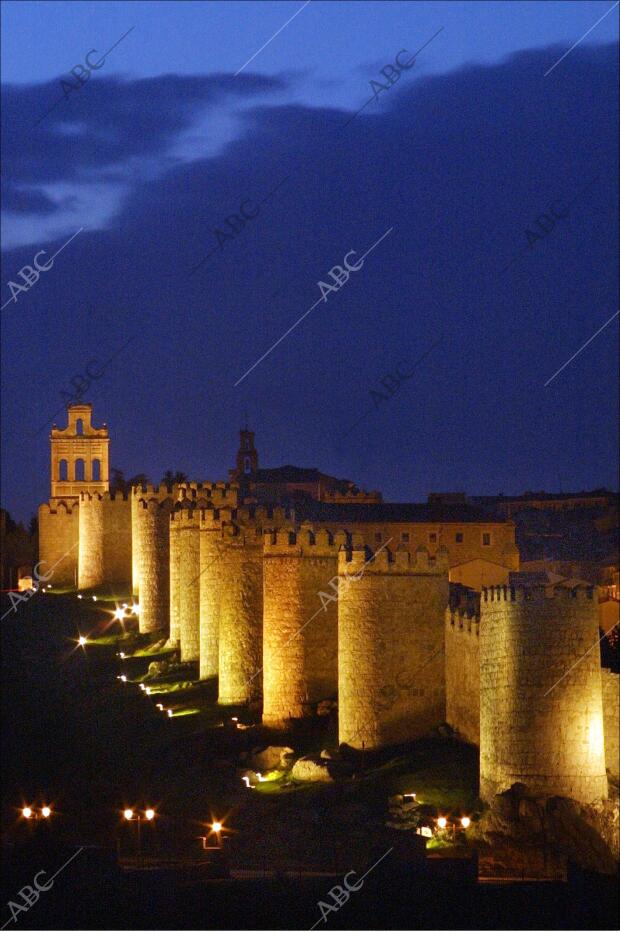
x,y
247,464
79,471
63,471
79,427
96,466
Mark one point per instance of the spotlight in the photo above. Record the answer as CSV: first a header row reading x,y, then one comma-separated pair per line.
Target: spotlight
x,y
79,596
119,614
142,686
94,598
169,711
160,707
46,812
148,690
122,655
82,640
135,608
217,827
27,812
123,678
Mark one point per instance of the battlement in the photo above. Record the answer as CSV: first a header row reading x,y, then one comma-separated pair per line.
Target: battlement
x,y
291,540
462,619
242,535
153,506
59,508
184,515
536,593
157,491
397,562
86,497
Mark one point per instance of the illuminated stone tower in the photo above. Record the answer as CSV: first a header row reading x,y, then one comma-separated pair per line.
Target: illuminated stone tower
x,y
79,455
541,711
391,671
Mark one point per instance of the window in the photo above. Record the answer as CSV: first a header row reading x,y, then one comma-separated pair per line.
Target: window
x,y
63,472
458,537
405,537
246,443
79,427
432,538
96,467
79,471
378,537
247,464
486,539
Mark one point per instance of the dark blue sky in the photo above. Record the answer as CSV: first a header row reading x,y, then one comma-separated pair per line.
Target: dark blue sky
x,y
458,160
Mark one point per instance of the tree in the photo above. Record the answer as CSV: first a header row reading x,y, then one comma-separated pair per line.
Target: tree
x,y
176,478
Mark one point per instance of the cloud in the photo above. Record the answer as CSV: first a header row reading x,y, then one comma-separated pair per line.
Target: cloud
x,y
460,165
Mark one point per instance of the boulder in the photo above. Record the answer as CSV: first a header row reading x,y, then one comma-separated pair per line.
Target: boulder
x,y
273,757
312,770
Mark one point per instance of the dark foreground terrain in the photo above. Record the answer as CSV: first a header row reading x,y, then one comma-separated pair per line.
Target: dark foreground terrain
x,y
77,738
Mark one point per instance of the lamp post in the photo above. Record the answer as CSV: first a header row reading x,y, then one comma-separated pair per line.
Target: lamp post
x,y
138,818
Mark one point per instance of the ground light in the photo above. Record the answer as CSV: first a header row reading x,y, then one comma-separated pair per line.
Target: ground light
x,y
82,640
119,614
169,711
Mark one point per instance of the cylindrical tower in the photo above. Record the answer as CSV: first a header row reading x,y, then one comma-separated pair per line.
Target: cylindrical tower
x,y
541,711
391,674
241,614
139,494
187,541
300,621
175,581
105,541
153,518
210,588
91,570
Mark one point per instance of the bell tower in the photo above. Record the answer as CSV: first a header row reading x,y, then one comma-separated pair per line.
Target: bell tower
x,y
79,455
247,456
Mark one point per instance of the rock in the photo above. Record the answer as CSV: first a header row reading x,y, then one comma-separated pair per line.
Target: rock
x,y
312,770
326,754
326,706
270,758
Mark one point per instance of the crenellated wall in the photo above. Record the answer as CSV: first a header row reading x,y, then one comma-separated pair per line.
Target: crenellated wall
x,y
240,653
391,669
105,551
58,543
153,538
463,670
185,553
541,710
300,634
611,720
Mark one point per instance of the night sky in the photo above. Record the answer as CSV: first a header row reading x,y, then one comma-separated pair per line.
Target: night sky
x,y
451,165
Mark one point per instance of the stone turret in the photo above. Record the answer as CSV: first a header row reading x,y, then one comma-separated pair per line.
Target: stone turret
x,y
152,518
185,580
391,675
541,713
240,573
300,636
104,522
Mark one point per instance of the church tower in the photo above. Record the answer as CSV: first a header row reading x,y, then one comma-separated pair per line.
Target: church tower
x,y
79,455
247,456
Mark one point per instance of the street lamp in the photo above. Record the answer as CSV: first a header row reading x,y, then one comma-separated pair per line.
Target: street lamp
x,y
465,821
442,821
46,812
27,812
